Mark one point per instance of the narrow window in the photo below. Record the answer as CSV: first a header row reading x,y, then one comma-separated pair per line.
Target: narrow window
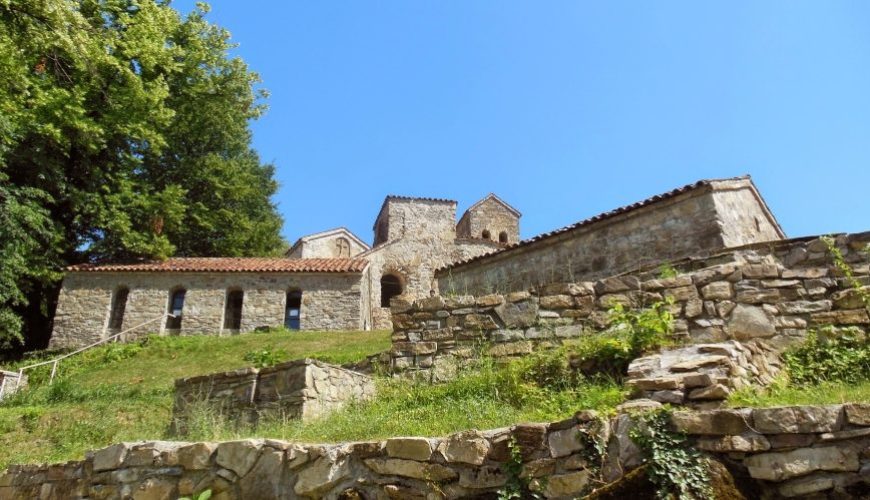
x,y
502,237
119,304
176,306
293,311
486,234
233,310
391,286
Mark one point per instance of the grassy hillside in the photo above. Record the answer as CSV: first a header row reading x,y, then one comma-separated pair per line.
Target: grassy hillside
x,y
123,392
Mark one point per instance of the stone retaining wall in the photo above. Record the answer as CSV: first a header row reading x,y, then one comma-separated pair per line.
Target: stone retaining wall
x,y
703,375
300,389
774,452
775,291
10,384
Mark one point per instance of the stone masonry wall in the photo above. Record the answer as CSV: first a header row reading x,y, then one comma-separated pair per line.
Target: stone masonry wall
x,y
10,383
414,259
774,291
492,216
329,302
701,220
300,389
779,452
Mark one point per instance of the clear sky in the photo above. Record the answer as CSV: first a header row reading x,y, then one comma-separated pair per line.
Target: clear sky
x,y
563,109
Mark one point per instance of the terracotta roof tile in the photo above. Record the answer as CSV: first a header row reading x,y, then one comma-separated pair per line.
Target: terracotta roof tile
x,y
230,265
602,216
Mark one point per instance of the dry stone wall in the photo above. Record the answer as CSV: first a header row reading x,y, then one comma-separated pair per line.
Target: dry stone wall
x,y
778,452
774,291
702,375
696,221
11,382
300,389
329,302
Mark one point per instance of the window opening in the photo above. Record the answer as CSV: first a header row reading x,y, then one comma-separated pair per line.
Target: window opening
x,y
293,312
503,237
119,305
391,286
176,306
486,234
233,310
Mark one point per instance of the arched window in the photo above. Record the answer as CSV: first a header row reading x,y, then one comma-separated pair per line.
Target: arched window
x,y
391,286
119,304
503,237
176,306
486,234
293,310
233,310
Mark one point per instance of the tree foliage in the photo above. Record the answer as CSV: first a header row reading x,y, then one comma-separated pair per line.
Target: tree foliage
x,y
124,134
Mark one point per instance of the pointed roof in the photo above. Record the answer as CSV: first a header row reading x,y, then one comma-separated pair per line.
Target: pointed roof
x,y
329,232
492,196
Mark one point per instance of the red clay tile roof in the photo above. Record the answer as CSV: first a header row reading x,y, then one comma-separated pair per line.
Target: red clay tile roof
x,y
602,216
231,265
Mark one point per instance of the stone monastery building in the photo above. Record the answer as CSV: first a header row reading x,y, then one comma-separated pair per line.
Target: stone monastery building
x,y
333,280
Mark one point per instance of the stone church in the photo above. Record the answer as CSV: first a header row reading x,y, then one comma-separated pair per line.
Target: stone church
x,y
333,280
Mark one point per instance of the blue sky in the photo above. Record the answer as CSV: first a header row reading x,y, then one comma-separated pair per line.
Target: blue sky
x,y
563,109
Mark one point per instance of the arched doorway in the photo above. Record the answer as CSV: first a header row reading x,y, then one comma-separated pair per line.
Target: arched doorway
x,y
391,286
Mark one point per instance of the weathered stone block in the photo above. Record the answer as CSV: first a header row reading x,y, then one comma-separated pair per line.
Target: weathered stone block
x,y
798,419
718,290
713,422
779,466
744,443
411,448
468,447
749,322
556,301
564,442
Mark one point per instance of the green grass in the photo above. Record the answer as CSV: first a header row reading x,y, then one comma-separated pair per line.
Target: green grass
x,y
783,394
485,397
123,392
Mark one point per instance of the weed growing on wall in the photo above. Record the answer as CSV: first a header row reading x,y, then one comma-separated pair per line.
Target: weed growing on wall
x,y
631,334
829,355
267,356
515,485
679,472
666,271
846,270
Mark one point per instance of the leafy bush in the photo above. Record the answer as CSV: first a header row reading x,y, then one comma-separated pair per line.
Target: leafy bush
x,y
267,356
830,355
631,334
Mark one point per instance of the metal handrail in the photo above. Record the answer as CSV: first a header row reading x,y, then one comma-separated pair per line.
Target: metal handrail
x,y
57,360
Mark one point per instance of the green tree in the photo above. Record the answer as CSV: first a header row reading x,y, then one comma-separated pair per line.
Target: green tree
x,y
124,134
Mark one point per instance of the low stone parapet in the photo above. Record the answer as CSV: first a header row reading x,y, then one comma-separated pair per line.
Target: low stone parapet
x,y
11,382
780,452
300,389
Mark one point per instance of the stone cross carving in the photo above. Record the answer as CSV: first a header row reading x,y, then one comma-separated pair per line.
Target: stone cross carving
x,y
343,247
